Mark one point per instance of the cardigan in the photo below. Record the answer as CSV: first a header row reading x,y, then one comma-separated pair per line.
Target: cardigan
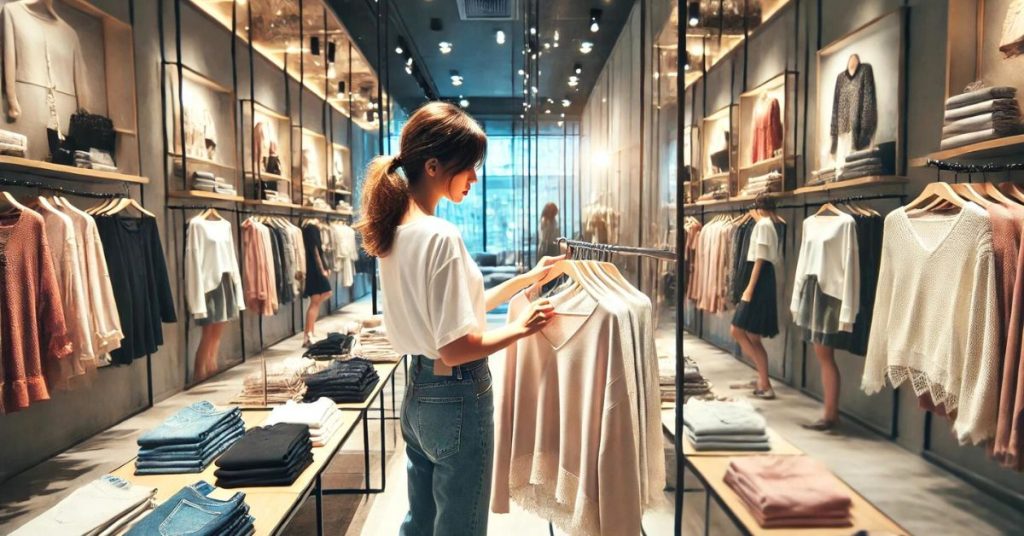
x,y
854,108
33,332
936,318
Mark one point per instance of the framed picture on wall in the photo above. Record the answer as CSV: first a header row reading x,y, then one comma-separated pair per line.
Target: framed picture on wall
x,y
984,78
859,123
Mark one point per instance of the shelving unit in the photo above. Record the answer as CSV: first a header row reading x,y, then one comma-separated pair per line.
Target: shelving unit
x,y
265,203
860,182
203,161
1008,146
59,171
203,194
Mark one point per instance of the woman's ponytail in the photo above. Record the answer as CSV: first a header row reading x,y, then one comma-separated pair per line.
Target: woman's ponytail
x,y
385,200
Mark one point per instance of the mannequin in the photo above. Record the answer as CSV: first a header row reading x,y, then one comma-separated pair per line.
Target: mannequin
x,y
852,64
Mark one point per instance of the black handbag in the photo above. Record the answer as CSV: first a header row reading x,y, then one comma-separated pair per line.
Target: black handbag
x,y
91,131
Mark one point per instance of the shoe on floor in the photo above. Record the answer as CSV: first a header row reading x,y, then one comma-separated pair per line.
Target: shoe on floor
x,y
764,394
752,384
820,425
306,343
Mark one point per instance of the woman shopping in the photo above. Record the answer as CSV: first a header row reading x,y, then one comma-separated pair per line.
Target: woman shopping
x,y
434,310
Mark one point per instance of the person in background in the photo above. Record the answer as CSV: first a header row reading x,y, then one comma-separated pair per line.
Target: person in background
x,y
434,310
548,232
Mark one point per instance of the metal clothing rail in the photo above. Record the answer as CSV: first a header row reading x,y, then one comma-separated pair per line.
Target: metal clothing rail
x,y
27,183
946,165
656,253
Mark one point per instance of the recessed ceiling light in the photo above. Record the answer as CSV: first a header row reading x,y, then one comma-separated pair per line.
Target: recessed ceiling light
x,y
499,37
560,123
445,47
563,115
574,81
556,36
586,47
595,18
408,69
408,61
521,72
533,30
577,68
566,103
547,46
533,89
398,50
547,111
521,116
456,78
693,13
464,103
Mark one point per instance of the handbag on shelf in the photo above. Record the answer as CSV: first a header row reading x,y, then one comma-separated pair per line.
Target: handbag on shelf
x,y
91,131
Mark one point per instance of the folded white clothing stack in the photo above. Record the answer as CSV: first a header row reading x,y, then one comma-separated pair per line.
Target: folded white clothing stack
x,y
273,195
979,115
372,344
13,144
769,182
322,417
208,182
344,206
717,425
319,203
103,507
95,159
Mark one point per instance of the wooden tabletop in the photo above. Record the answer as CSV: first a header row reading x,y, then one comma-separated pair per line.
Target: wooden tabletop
x,y
271,506
865,516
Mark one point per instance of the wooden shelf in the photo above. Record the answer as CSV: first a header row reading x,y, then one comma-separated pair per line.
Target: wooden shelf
x,y
341,191
196,78
775,195
267,176
764,165
59,171
314,187
203,194
265,203
260,108
202,160
716,176
874,180
313,134
1010,145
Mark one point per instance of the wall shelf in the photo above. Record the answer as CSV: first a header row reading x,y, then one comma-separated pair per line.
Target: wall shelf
x,y
878,180
341,191
1010,145
265,203
202,194
267,176
59,171
201,160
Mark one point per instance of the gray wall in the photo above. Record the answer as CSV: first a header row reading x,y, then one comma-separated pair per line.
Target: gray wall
x,y
47,428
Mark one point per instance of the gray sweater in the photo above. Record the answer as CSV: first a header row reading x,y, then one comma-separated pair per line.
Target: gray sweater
x,y
854,108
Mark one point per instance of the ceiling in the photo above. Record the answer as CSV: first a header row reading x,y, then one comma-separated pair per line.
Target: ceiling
x,y
491,82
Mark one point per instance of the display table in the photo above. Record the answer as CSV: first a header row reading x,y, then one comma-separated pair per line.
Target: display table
x,y
271,506
710,470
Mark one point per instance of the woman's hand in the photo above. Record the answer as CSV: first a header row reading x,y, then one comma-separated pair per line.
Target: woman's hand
x,y
535,317
541,270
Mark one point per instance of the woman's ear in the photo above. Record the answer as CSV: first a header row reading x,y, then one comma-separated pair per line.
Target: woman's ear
x,y
432,167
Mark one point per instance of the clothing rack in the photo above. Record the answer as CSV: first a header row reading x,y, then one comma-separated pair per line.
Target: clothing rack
x,y
745,208
27,183
854,198
204,207
595,247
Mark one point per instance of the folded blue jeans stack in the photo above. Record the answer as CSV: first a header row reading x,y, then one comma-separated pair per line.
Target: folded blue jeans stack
x,y
346,381
189,440
191,511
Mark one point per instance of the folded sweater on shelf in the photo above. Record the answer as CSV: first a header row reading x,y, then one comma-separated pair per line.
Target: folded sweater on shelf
x,y
1005,122
980,95
995,105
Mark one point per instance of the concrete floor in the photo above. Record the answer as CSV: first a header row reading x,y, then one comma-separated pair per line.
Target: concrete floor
x,y
920,496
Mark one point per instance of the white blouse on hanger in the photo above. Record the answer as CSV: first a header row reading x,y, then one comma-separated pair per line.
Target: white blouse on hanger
x,y
828,251
209,254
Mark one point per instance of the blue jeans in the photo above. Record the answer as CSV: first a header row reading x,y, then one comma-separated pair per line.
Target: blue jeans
x,y
448,426
191,512
192,424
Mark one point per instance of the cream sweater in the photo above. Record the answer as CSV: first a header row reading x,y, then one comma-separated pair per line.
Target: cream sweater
x,y
936,320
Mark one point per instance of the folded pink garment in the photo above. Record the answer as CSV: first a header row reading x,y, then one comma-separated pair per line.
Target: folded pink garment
x,y
824,518
789,486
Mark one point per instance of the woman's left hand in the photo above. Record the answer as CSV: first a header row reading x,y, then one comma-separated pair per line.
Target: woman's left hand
x,y
541,270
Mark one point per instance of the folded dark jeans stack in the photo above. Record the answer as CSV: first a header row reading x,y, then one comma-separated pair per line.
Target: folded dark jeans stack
x,y
189,440
981,115
191,511
344,381
267,456
336,345
861,163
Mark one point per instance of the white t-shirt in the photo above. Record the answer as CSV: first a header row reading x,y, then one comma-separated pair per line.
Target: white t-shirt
x,y
764,243
433,292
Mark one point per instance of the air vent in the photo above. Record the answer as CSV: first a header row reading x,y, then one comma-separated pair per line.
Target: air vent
x,y
486,9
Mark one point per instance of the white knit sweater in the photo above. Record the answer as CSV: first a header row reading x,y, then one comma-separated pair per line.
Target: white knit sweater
x,y
936,320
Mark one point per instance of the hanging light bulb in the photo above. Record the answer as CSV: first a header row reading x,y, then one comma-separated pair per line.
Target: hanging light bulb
x,y
595,18
556,36
693,13
586,47
574,81
464,103
566,103
341,89
499,37
577,68
533,30
456,78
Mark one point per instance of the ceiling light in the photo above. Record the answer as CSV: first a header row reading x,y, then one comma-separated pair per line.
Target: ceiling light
x,y
398,50
550,100
533,30
574,81
586,47
408,69
499,37
521,72
456,78
577,68
547,111
556,36
533,89
521,116
341,89
693,13
331,71
562,115
560,123
464,103
408,61
547,46
445,47
533,56
566,103
595,18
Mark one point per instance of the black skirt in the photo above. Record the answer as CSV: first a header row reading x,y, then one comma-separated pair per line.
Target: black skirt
x,y
760,315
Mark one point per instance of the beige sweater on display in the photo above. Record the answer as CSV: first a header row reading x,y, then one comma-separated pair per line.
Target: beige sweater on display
x,y
936,317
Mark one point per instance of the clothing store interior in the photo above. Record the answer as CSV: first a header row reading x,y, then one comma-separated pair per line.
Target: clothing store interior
x,y
713,254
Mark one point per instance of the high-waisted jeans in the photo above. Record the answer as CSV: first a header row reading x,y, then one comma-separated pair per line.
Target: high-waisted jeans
x,y
448,426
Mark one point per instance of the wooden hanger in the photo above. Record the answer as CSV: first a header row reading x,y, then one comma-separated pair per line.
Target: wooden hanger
x,y
937,190
10,200
1012,190
970,193
993,193
829,207
128,202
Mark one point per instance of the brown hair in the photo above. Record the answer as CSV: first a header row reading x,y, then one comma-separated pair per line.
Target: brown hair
x,y
548,212
436,130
